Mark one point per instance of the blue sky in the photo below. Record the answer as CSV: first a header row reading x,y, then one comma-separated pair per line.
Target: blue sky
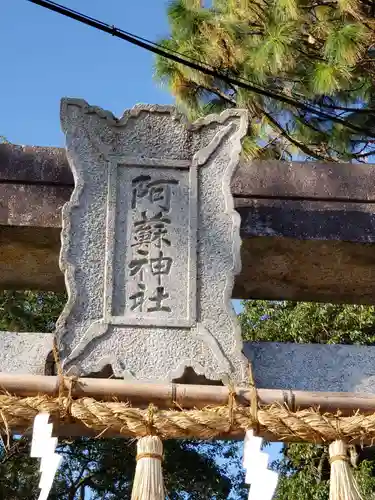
x,y
46,56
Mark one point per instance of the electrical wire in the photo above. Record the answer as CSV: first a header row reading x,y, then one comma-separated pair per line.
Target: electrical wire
x,y
193,63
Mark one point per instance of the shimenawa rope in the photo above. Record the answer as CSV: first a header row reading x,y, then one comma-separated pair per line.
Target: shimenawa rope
x,y
275,420
150,425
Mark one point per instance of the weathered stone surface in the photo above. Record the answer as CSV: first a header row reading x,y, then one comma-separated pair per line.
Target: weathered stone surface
x,y
308,220
34,165
150,244
305,367
29,258
32,205
256,179
312,367
305,180
272,267
25,352
307,270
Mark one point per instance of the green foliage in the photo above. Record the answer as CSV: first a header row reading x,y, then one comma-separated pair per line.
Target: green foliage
x,y
29,311
343,44
312,53
105,468
308,322
19,474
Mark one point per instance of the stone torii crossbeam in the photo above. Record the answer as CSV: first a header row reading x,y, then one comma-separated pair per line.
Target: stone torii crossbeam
x,y
307,228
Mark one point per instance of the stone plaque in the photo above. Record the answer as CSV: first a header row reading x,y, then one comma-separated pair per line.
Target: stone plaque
x,y
155,279
150,244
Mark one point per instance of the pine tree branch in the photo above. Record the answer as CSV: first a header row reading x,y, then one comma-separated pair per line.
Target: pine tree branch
x,y
272,141
343,108
364,155
260,12
305,149
364,146
212,90
306,123
322,460
310,56
312,109
301,103
83,482
218,93
19,446
281,97
319,4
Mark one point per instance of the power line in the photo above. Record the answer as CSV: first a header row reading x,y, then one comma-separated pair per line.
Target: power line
x,y
190,62
124,35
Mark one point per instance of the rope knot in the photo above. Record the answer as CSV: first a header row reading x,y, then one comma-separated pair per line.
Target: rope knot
x,y
338,457
149,455
231,404
65,387
253,400
151,431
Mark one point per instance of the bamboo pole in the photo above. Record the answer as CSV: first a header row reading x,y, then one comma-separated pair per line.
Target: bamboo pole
x,y
141,394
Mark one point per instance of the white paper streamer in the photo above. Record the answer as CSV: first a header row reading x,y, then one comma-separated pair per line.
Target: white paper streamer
x,y
263,482
43,446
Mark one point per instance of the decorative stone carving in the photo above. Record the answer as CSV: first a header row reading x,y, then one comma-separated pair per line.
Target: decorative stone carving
x,y
150,244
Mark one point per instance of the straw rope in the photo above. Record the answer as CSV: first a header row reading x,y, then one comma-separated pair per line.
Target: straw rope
x,y
304,425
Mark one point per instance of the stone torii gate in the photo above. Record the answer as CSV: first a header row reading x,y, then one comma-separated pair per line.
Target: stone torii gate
x,y
307,231
150,247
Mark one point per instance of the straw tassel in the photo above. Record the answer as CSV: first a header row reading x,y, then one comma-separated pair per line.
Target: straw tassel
x,y
342,484
148,481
